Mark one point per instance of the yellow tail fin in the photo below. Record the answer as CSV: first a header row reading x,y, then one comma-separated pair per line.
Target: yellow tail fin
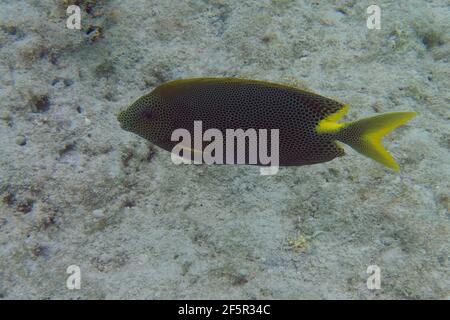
x,y
365,135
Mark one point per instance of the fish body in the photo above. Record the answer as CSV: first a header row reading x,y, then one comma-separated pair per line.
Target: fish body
x,y
306,122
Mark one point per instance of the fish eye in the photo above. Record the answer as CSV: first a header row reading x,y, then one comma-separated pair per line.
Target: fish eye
x,y
147,115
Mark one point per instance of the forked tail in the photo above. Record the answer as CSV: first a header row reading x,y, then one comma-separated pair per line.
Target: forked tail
x,y
365,135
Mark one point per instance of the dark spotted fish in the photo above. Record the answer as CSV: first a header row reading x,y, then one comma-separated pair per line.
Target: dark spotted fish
x,y
307,122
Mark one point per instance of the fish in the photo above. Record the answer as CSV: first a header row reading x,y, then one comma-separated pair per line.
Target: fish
x,y
307,123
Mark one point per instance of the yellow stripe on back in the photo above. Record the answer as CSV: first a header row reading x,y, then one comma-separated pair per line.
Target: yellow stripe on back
x,y
329,124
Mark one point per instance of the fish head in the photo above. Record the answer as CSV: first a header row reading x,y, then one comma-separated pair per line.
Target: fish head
x,y
145,117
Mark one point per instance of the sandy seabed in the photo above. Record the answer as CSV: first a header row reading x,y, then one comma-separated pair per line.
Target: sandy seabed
x,y
76,189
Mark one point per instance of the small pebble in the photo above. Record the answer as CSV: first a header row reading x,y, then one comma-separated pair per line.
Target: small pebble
x,y
21,140
67,82
98,214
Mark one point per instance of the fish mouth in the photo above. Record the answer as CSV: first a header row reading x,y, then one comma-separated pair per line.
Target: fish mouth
x,y
121,118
